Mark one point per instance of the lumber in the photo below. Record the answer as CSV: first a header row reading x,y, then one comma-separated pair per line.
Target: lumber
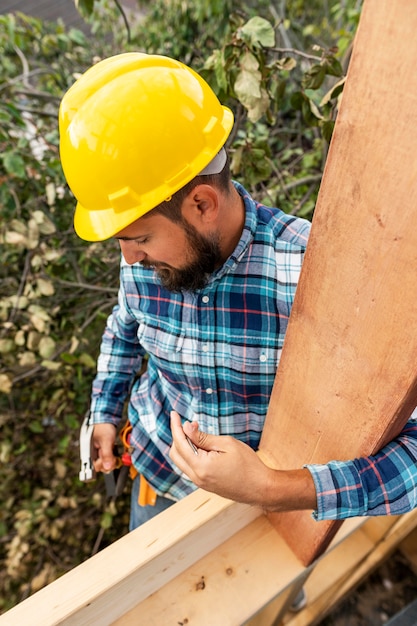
x,y
347,379
408,548
385,539
252,577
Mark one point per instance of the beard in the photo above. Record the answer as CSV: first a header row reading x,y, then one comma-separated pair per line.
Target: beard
x,y
204,254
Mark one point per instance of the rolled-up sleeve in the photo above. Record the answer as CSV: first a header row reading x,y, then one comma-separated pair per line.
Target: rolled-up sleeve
x,y
380,484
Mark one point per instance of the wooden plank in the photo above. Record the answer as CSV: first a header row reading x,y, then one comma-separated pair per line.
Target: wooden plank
x,y
322,599
253,576
237,580
168,572
408,548
99,591
347,379
227,586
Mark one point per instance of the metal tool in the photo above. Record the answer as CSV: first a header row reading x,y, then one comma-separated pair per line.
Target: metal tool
x,y
87,471
192,446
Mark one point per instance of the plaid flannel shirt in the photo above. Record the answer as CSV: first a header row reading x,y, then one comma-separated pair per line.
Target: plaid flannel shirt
x,y
211,354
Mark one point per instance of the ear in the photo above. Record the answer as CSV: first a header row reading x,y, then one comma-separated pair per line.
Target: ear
x,y
201,206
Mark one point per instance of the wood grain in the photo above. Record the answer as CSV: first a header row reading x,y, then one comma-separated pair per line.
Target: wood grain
x,y
347,382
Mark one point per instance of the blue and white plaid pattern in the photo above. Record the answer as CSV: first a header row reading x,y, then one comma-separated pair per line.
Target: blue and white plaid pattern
x,y
212,354
382,484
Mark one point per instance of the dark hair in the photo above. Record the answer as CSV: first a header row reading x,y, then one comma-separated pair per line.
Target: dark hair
x,y
172,208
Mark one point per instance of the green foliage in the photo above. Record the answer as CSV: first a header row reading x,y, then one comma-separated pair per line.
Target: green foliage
x,y
55,294
280,71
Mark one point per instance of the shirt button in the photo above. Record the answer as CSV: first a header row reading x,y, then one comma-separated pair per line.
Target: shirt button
x,y
263,358
209,390
205,299
205,348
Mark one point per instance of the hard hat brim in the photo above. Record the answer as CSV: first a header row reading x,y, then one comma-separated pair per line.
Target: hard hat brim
x,y
105,223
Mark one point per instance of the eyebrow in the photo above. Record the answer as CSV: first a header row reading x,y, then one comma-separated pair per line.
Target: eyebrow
x,y
131,238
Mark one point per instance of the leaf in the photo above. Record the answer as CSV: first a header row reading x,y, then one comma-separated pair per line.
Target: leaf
x,y
50,191
46,347
45,287
20,338
327,129
18,226
6,345
15,239
77,36
27,359
33,234
248,88
14,164
313,79
87,360
315,110
333,66
5,451
5,384
287,63
35,426
85,7
18,302
50,365
297,100
258,31
106,520
334,91
46,226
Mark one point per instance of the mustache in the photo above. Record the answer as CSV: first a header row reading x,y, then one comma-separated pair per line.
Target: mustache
x,y
155,265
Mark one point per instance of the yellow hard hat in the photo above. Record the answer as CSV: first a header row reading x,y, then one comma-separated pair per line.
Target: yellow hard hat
x,y
134,129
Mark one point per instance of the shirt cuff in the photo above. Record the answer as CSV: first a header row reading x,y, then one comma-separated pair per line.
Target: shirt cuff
x,y
339,490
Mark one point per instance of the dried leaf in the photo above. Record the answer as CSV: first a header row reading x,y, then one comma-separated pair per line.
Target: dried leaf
x,y
5,384
45,287
46,347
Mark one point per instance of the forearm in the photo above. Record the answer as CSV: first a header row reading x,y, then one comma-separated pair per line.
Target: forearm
x,y
119,360
292,490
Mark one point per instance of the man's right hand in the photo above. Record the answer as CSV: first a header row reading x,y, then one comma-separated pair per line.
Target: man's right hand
x,y
104,437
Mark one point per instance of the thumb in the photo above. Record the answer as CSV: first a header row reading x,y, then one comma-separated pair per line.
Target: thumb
x,y
107,458
210,443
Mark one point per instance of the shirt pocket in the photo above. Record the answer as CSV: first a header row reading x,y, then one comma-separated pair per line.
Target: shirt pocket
x,y
161,343
252,357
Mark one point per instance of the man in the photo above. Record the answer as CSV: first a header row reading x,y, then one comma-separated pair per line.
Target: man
x,y
207,281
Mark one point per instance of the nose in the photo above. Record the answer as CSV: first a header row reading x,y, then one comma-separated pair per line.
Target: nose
x,y
131,252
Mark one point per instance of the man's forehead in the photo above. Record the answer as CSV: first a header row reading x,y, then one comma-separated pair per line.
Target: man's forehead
x,y
142,227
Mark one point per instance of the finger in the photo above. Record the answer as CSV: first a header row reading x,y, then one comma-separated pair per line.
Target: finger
x,y
103,438
105,464
176,426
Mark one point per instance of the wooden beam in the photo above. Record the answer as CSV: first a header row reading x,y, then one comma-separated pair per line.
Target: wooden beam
x,y
384,534
156,576
347,381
